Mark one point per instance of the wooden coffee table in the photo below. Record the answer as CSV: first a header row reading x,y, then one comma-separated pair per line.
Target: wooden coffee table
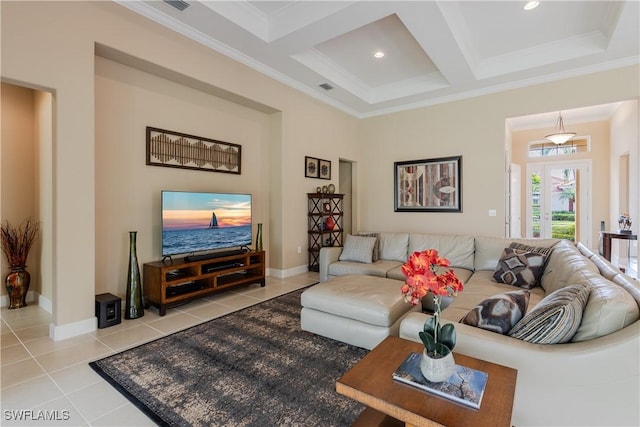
x,y
391,403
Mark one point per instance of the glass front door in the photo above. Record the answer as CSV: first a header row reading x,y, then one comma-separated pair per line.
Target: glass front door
x,y
557,201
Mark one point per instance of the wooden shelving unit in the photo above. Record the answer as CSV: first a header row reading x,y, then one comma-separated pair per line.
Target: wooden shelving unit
x,y
167,284
324,225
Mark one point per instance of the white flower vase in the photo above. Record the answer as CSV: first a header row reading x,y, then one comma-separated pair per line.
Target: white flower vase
x,y
437,370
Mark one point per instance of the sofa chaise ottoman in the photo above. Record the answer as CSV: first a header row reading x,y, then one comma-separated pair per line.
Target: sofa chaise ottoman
x,y
346,310
588,376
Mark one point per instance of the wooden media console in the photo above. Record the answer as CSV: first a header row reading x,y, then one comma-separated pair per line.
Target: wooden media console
x,y
167,284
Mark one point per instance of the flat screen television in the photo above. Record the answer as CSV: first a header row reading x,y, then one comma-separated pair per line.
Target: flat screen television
x,y
195,222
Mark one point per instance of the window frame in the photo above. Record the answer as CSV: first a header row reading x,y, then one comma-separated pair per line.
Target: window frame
x,y
544,143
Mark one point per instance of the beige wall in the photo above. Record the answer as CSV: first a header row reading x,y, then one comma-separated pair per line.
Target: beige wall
x,y
38,54
44,123
128,191
599,132
624,141
475,129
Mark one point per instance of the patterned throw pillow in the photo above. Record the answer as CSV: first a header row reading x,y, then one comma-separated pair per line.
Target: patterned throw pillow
x,y
358,249
499,313
520,268
556,318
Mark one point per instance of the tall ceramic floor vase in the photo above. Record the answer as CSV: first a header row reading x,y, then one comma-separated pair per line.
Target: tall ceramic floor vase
x,y
133,305
259,239
17,283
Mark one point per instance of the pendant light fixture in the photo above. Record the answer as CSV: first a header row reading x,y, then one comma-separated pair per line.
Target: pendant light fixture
x,y
559,135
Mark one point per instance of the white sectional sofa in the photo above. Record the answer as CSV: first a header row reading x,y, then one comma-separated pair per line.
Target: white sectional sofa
x,y
592,380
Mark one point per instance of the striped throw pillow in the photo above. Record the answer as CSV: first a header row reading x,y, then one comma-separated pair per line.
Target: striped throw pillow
x,y
527,248
376,246
358,249
556,318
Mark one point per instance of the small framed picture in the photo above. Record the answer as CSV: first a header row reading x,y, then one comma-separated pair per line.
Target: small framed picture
x,y
325,169
311,169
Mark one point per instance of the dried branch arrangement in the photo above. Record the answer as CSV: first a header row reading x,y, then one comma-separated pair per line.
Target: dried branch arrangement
x,y
17,241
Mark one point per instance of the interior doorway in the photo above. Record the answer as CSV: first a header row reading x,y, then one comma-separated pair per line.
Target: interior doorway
x,y
623,172
26,183
625,251
345,186
558,201
515,200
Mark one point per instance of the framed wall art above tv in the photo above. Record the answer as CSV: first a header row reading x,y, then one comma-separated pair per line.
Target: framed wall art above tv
x,y
180,150
428,185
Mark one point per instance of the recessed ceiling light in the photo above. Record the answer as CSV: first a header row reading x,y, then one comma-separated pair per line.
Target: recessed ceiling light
x,y
379,54
531,5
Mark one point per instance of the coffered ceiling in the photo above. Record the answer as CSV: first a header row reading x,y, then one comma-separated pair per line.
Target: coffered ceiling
x,y
434,51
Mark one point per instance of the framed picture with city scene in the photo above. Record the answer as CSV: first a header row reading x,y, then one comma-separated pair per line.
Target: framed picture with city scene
x,y
428,185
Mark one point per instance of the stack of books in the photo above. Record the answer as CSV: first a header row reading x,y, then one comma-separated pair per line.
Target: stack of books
x,y
465,386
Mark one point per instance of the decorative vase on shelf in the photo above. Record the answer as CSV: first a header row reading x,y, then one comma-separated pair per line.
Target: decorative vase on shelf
x,y
330,224
134,305
624,223
259,246
17,283
437,370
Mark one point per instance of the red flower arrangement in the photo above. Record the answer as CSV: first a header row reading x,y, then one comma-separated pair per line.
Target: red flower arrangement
x,y
421,271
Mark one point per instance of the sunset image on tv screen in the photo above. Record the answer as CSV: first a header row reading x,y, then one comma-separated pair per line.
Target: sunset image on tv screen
x,y
193,222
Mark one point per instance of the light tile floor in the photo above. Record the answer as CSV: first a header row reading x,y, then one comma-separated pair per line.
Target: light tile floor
x,y
41,378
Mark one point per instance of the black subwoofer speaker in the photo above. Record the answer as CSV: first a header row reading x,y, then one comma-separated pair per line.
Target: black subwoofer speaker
x,y
108,310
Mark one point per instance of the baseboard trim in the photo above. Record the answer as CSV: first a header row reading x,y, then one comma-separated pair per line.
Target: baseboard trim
x,y
283,274
70,330
45,303
33,297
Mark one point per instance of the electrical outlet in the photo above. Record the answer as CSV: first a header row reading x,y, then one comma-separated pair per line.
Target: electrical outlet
x,y
299,249
492,212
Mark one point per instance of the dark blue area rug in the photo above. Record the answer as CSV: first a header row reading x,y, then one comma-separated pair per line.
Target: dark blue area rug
x,y
254,367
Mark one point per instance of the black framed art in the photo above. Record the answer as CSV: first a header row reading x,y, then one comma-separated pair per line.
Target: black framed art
x,y
325,169
311,169
180,150
428,185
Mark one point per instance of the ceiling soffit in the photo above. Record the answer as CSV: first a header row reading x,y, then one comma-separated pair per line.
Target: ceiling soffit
x,y
436,51
348,61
